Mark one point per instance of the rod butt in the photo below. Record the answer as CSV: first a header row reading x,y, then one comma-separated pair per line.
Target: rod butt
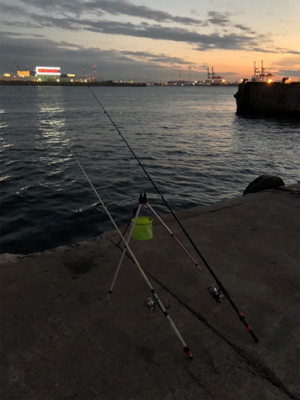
x,y
108,296
188,352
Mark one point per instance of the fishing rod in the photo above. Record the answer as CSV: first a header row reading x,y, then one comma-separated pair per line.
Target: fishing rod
x,y
186,349
124,251
218,292
172,234
143,201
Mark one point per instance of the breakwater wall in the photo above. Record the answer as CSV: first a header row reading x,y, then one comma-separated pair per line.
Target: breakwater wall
x,y
265,98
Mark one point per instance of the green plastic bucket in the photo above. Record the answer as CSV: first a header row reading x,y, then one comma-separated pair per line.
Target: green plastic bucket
x,y
142,229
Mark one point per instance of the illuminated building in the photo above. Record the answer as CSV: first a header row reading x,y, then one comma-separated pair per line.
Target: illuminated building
x,y
40,74
22,74
47,73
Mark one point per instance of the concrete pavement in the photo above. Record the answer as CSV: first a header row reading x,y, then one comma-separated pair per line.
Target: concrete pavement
x,y
60,339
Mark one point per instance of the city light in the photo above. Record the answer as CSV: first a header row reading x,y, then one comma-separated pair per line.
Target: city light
x,y
47,70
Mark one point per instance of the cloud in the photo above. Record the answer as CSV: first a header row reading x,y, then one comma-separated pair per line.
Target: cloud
x,y
79,8
117,8
13,34
124,8
288,72
244,28
157,58
230,41
218,18
74,15
274,50
284,50
120,18
205,42
287,62
156,32
11,9
16,34
19,24
110,64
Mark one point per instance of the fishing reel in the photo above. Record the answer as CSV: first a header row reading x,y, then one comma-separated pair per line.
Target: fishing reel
x,y
216,294
151,304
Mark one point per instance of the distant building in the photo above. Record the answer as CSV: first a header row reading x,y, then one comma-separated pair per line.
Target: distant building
x,y
47,73
22,74
67,77
40,74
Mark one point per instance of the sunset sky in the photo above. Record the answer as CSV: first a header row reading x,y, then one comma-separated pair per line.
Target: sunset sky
x,y
151,40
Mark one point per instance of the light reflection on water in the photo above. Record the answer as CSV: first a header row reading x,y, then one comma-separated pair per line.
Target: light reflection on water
x,y
189,139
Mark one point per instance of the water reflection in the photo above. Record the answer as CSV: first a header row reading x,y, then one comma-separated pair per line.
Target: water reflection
x,y
51,124
191,142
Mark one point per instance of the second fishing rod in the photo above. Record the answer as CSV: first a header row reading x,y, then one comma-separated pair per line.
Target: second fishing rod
x,y
216,293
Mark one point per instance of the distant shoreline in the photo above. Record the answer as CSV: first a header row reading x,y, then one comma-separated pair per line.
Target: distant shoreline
x,y
31,83
105,83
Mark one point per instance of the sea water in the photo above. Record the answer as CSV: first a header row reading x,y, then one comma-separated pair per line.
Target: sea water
x,y
189,139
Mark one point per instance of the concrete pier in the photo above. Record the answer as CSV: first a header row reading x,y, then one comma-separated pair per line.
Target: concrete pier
x,y
60,339
263,98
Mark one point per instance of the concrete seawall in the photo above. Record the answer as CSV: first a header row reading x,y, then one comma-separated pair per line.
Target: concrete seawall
x,y
269,99
60,339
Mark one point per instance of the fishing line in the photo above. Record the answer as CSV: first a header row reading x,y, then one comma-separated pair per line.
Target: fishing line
x,y
120,203
186,349
222,288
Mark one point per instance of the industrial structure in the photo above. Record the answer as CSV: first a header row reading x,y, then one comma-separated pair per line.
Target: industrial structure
x,y
261,75
213,79
53,75
83,76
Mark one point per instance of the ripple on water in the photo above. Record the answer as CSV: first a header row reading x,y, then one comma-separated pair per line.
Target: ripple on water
x,y
193,145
